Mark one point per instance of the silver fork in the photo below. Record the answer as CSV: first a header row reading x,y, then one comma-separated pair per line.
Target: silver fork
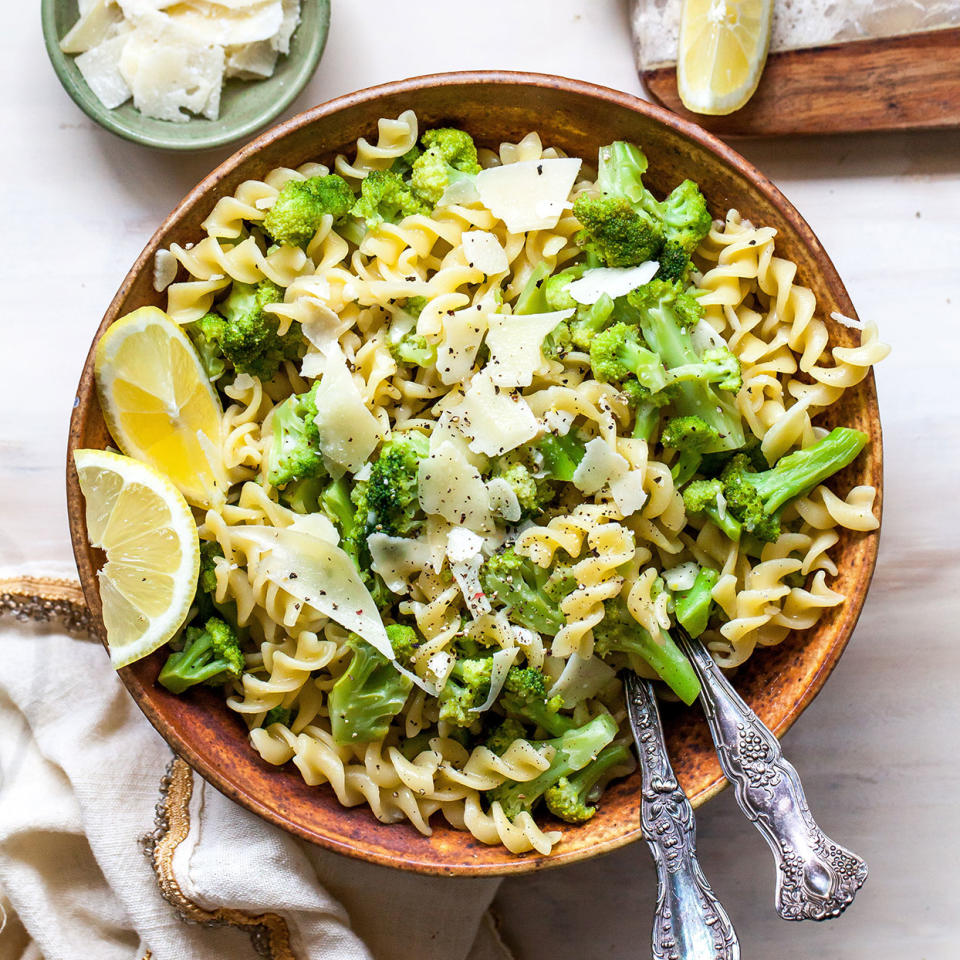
x,y
816,877
689,923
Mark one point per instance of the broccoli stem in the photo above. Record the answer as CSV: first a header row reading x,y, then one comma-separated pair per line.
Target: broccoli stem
x,y
646,421
798,473
692,607
668,661
532,298
561,455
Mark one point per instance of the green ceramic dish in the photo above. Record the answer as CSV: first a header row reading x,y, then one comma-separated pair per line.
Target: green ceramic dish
x,y
245,107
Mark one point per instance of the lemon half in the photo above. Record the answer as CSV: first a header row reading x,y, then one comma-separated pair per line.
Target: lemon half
x,y
723,47
159,404
144,525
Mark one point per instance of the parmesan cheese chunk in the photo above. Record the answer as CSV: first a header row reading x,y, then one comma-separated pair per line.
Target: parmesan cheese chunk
x,y
612,281
530,194
291,18
515,344
628,493
169,73
503,499
100,67
484,251
496,421
212,24
251,61
93,27
396,559
349,432
463,332
600,465
165,267
451,487
463,545
325,578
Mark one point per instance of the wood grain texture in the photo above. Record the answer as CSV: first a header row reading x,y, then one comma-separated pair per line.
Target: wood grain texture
x,y
577,117
895,83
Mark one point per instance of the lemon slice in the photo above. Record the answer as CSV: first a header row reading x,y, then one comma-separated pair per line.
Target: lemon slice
x,y
159,404
723,47
144,525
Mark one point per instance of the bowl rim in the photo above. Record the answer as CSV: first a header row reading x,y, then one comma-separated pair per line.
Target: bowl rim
x,y
86,392
86,100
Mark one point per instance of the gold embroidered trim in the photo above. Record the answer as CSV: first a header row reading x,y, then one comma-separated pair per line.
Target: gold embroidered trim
x,y
269,933
43,599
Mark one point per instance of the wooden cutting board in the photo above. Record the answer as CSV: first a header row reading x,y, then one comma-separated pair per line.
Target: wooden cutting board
x,y
908,82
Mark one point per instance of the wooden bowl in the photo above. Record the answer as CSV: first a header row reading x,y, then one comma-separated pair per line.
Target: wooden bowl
x,y
778,682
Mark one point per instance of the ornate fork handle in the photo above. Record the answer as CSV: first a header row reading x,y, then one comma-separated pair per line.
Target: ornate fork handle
x,y
816,877
690,923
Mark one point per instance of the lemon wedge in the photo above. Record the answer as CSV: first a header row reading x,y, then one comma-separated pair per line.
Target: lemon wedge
x,y
723,47
159,404
146,528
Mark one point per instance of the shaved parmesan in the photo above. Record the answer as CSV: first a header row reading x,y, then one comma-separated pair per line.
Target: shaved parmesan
x,y
612,281
169,73
681,577
450,486
463,332
467,575
495,421
349,432
322,328
92,28
515,345
628,493
600,465
459,192
319,575
209,24
499,668
704,337
252,61
100,67
165,267
846,321
397,559
291,18
484,251
463,545
503,499
580,679
530,194
439,667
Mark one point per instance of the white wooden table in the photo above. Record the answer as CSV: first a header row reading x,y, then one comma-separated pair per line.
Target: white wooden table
x,y
878,748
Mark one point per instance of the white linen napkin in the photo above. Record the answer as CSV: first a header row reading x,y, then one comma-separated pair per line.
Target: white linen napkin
x,y
112,848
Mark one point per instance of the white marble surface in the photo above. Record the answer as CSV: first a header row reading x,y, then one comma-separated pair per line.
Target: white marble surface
x,y
877,748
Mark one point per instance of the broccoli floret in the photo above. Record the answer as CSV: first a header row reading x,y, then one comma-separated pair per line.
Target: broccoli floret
x,y
367,696
336,503
533,493
689,436
716,365
756,499
574,749
465,690
414,349
246,335
403,641
300,206
666,318
504,735
391,492
686,221
384,196
295,451
561,455
210,655
203,336
704,497
590,320
517,583
618,632
303,496
277,715
692,607
568,797
617,233
617,353
449,155
555,293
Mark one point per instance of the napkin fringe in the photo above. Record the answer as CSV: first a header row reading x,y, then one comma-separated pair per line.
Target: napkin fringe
x,y
43,599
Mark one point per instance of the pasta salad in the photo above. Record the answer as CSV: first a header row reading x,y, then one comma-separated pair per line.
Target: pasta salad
x,y
493,424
